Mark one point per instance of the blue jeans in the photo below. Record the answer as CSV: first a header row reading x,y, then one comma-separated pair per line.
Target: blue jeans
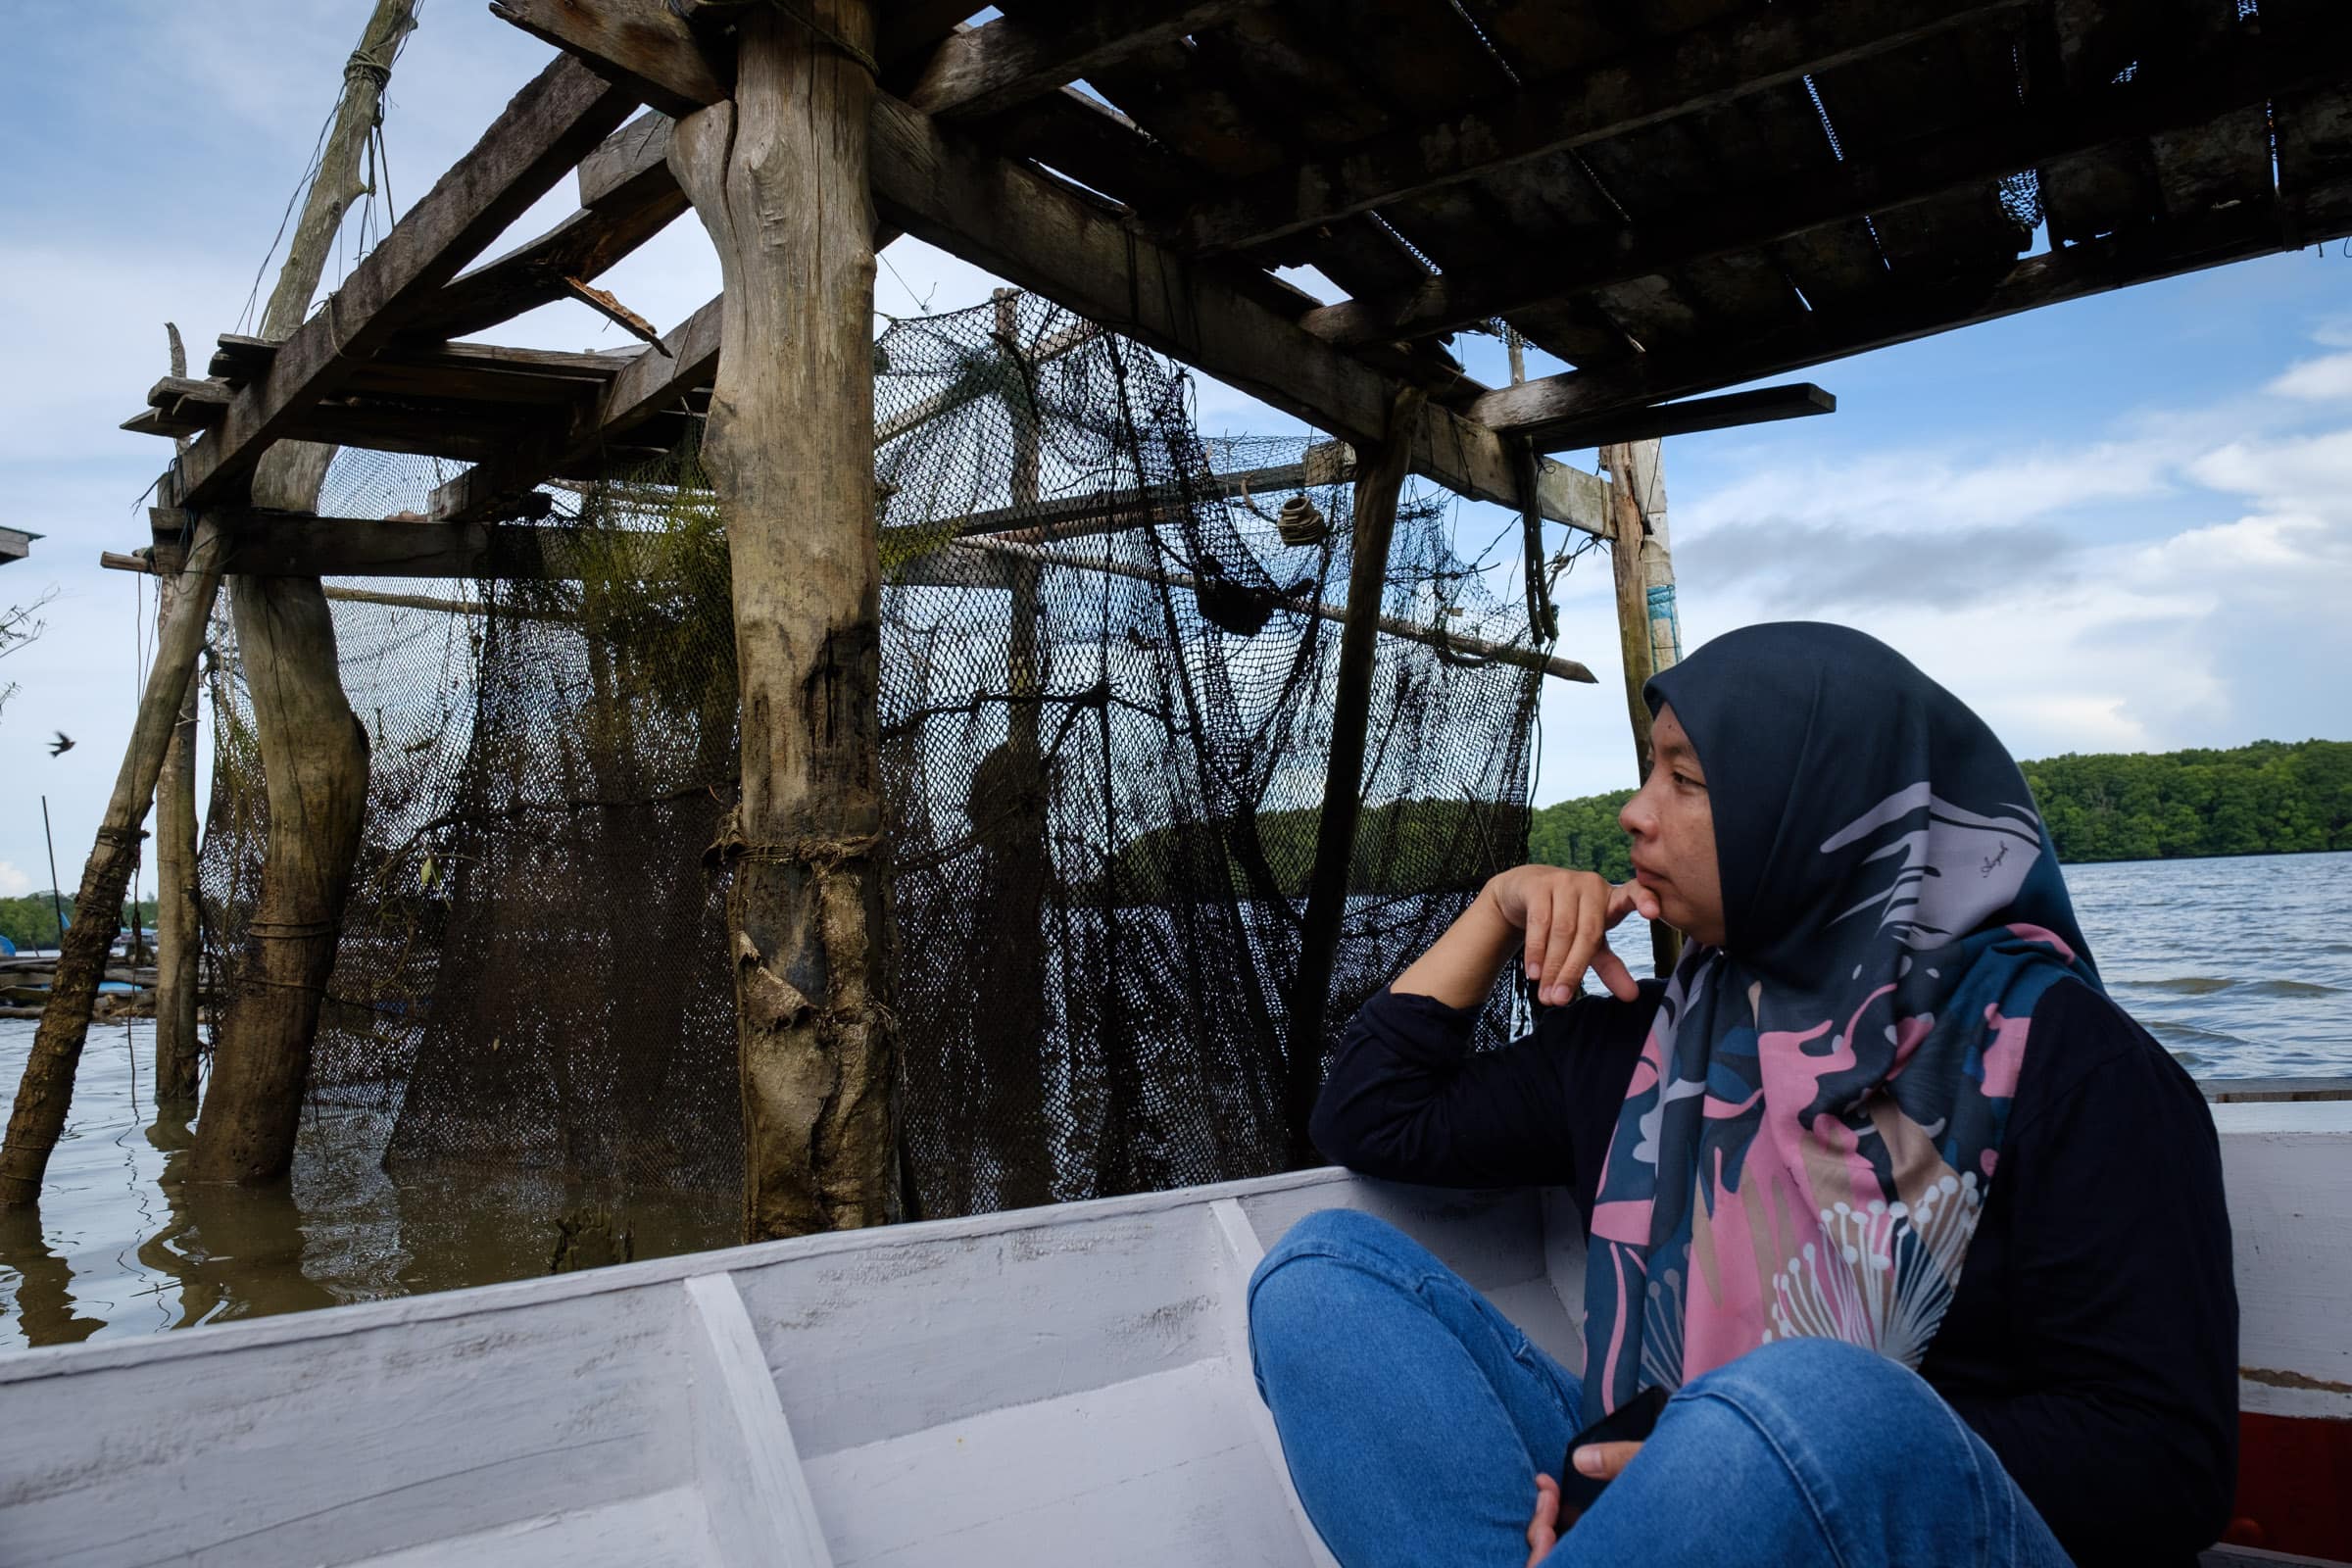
x,y
1415,1416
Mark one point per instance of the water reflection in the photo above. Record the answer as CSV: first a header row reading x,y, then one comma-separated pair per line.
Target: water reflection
x,y
235,1251
43,1295
127,1242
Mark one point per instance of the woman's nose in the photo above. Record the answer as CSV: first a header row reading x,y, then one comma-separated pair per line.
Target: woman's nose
x,y
1635,816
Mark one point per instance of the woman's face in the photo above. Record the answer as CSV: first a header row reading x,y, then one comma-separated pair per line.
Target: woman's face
x,y
1672,829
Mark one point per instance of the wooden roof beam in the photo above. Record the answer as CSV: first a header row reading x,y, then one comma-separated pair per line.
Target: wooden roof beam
x,y
1024,226
1703,68
265,543
1007,62
549,126
1550,410
2280,59
627,196
650,382
1763,405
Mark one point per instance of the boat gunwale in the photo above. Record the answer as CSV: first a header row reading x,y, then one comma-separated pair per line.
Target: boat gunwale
x,y
361,1318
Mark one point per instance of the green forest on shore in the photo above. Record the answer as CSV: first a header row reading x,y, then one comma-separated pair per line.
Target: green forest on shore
x,y
2270,798
30,921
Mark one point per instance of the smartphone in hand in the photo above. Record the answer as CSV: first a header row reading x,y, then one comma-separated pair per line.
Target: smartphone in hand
x,y
1631,1422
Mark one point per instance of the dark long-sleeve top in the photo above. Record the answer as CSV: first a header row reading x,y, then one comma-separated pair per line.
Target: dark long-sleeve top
x,y
2093,1342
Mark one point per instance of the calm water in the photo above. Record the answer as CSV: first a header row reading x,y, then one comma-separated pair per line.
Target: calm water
x,y
2243,967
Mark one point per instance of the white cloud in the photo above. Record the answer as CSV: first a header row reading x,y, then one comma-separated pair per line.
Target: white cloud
x,y
2327,378
1911,491
14,884
2218,621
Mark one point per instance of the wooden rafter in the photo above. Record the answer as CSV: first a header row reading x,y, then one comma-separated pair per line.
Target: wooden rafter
x,y
1700,70
1008,61
938,184
624,202
1541,409
1764,405
543,133
2250,72
650,383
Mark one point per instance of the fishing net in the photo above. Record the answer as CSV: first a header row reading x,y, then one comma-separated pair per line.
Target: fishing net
x,y
1108,652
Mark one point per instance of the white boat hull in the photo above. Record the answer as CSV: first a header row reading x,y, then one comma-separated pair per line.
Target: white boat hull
x,y
1068,1385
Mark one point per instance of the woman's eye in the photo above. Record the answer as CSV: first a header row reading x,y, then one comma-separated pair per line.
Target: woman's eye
x,y
1688,782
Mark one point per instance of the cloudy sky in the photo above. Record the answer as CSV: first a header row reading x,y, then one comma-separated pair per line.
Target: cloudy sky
x,y
2124,524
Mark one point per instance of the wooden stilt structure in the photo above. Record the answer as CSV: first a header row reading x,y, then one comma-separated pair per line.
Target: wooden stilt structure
x,y
778,176
178,936
314,749
46,1090
1166,228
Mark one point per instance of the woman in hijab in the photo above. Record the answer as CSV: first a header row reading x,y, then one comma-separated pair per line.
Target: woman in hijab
x,y
1918,1237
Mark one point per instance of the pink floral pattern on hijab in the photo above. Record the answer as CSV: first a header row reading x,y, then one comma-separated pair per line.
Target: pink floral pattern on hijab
x,y
1816,1118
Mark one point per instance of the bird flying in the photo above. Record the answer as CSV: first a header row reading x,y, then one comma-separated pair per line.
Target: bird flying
x,y
62,745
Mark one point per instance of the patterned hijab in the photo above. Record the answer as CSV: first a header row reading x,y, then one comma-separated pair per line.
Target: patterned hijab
x,y
1817,1114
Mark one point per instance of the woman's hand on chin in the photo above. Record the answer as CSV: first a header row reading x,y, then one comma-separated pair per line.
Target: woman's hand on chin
x,y
1566,916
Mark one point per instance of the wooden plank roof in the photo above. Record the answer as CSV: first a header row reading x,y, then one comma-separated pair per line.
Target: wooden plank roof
x,y
1671,199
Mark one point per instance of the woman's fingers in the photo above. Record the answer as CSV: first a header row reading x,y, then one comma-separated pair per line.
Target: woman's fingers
x,y
1615,975
1543,1530
1538,921
1603,1462
1571,911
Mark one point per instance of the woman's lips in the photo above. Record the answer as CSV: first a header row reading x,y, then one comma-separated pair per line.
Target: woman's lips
x,y
1643,873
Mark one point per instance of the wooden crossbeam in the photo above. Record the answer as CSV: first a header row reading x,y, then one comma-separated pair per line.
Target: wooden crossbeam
x,y
1543,410
1762,406
1008,61
937,183
1703,68
650,383
548,127
2282,58
262,543
1029,228
625,200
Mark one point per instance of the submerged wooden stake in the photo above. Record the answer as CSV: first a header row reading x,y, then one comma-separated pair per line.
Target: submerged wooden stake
x,y
778,176
313,748
47,1088
177,932
1380,476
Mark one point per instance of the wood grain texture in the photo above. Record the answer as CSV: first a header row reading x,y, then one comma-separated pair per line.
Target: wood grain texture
x,y
1551,404
987,70
2289,1183
779,178
1691,73
746,1464
1039,234
548,127
2230,84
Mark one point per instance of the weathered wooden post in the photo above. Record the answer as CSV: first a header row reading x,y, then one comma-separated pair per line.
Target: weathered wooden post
x,y
1649,631
176,928
779,178
314,749
1379,478
46,1089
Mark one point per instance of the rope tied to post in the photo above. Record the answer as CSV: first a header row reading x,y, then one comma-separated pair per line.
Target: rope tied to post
x,y
821,853
260,930
364,66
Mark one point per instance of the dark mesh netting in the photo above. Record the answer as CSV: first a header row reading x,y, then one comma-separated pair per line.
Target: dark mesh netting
x,y
1108,654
